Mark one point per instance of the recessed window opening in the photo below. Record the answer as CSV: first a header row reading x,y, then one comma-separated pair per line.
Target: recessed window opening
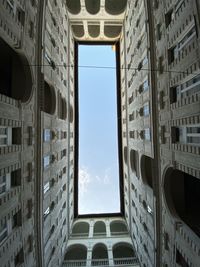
x,y
97,103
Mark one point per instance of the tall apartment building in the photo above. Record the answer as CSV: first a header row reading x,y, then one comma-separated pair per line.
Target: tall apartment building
x,y
158,62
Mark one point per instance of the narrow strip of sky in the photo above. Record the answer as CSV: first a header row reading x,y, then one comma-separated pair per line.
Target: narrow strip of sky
x,y
98,140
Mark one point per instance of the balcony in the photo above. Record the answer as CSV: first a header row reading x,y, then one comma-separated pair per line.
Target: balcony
x,y
133,262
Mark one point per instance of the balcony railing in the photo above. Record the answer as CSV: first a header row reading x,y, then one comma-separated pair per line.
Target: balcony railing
x,y
102,262
79,235
97,234
119,233
126,262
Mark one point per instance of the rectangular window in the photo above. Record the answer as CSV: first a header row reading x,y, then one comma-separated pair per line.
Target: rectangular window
x,y
146,85
145,61
3,231
172,54
5,136
10,4
15,178
5,183
46,187
189,135
19,258
146,109
147,135
149,210
177,50
63,153
188,88
46,213
46,161
47,135
98,164
16,135
17,219
2,184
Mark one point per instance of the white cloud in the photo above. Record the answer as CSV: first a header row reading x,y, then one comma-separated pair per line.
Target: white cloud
x,y
107,176
98,178
105,179
84,180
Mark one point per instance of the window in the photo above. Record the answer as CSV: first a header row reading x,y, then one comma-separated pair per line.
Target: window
x,y
29,208
146,109
172,54
180,259
46,187
48,58
189,134
169,17
31,29
15,178
147,135
132,134
5,136
178,5
186,39
177,50
20,16
175,134
187,88
46,161
3,231
146,85
19,258
63,153
158,31
10,4
173,94
149,210
50,61
145,61
47,135
46,213
2,184
63,134
17,219
166,240
16,136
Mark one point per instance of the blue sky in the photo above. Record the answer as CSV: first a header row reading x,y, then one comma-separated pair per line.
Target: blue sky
x,y
98,147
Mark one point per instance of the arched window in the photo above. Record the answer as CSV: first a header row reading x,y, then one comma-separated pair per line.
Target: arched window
x,y
78,30
71,114
78,253
16,78
115,7
63,109
182,197
118,228
99,228
74,6
125,154
100,255
112,31
92,6
49,104
123,253
146,166
134,162
80,229
94,30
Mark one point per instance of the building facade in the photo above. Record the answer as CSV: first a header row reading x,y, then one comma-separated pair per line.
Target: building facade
x,y
100,242
160,121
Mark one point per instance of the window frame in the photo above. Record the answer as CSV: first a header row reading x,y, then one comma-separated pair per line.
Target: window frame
x,y
76,129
